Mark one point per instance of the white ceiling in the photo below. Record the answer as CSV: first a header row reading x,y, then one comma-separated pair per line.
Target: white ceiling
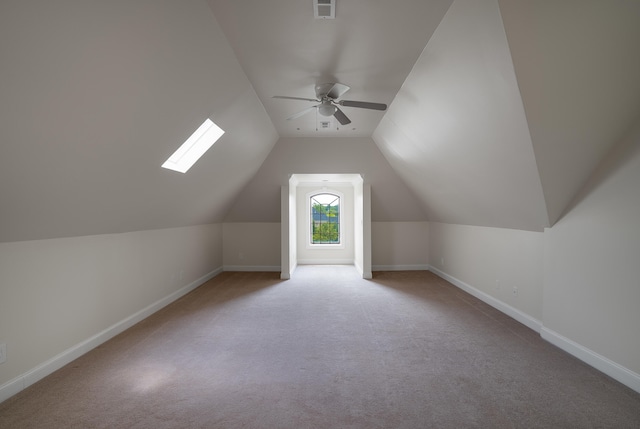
x,y
500,110
371,46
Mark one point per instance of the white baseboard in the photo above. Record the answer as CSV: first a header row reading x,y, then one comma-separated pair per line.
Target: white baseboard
x,y
10,388
25,380
516,314
359,268
601,363
368,275
325,262
284,275
415,267
253,268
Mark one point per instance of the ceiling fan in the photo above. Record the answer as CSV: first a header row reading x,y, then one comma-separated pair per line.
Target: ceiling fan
x,y
327,95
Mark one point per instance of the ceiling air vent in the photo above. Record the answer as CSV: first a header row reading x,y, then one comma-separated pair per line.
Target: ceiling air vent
x,y
324,9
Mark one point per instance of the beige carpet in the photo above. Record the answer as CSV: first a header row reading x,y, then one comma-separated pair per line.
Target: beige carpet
x,y
326,350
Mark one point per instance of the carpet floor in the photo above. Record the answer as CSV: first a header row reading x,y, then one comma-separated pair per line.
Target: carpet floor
x,y
325,349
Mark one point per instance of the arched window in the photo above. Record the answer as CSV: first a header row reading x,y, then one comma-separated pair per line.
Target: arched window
x,y
325,218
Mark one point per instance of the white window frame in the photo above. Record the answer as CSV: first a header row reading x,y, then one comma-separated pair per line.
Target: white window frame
x,y
320,246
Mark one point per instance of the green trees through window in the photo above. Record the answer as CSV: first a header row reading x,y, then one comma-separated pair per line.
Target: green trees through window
x,y
325,219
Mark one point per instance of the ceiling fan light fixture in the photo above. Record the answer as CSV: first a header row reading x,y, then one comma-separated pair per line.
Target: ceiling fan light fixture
x,y
326,109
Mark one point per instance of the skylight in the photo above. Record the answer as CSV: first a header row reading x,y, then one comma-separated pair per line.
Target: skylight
x,y
195,146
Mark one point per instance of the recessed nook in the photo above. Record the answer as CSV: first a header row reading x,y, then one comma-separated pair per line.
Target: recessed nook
x,y
350,202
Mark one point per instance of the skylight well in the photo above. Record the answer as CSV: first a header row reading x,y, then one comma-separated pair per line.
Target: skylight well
x,y
195,146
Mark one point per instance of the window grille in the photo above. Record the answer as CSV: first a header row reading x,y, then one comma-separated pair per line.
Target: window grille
x,y
325,219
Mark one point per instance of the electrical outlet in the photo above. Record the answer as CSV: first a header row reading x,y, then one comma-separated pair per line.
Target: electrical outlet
x,y
498,285
181,275
515,291
3,352
442,261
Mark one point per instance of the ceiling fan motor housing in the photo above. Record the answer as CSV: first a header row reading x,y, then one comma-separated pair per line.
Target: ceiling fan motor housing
x,y
326,108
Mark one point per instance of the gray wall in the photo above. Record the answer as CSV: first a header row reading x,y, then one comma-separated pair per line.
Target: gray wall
x,y
391,200
61,297
592,264
579,281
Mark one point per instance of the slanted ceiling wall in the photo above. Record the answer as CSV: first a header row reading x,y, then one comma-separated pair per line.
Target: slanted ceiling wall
x,y
97,95
391,200
511,106
577,66
457,134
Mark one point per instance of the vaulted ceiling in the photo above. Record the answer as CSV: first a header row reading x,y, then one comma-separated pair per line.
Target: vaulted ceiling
x,y
371,46
499,110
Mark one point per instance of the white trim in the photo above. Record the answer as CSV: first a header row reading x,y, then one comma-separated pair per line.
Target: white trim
x,y
325,246
510,311
287,276
599,362
253,268
367,275
44,369
325,262
10,388
414,267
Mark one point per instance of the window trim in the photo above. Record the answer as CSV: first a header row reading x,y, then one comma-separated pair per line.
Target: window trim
x,y
320,246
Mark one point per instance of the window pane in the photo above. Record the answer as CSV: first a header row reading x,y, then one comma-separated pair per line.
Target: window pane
x,y
325,219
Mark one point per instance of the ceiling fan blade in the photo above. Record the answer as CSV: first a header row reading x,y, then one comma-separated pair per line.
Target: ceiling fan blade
x,y
302,113
341,117
337,91
295,98
363,105
331,90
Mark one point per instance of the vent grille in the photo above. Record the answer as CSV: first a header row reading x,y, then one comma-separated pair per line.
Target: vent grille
x,y
324,9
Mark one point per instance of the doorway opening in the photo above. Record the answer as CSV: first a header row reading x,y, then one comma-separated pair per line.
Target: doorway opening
x,y
326,220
